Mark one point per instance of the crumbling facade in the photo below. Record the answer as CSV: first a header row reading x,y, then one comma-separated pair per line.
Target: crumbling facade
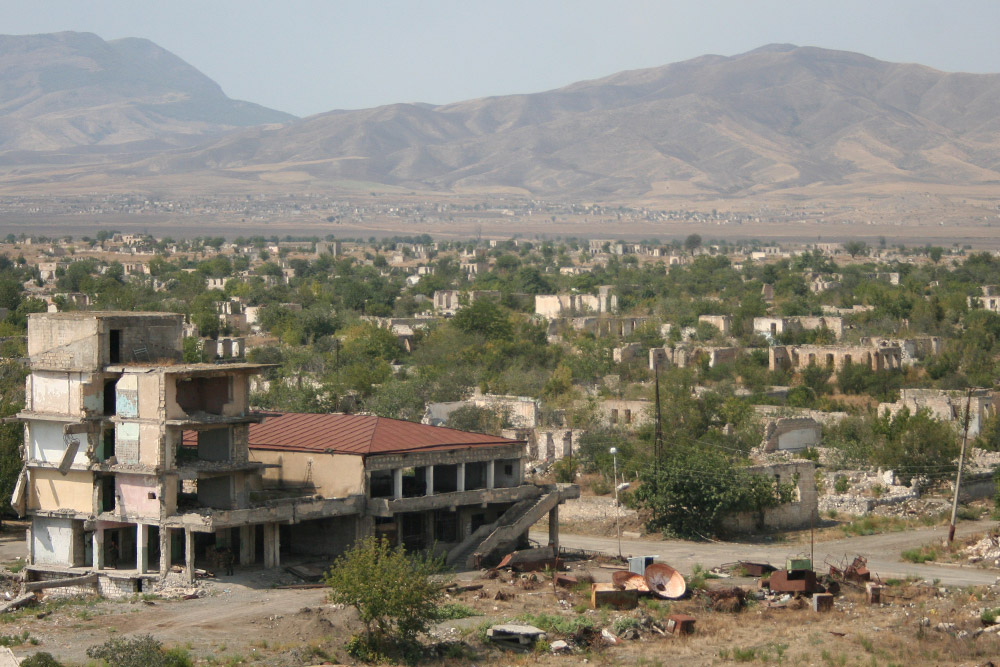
x,y
801,512
834,357
568,305
946,405
105,482
138,465
770,327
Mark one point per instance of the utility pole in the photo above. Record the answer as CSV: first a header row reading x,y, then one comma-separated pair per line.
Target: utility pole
x,y
961,464
657,435
618,527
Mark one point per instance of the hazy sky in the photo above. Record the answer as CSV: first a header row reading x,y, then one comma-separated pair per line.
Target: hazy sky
x,y
309,56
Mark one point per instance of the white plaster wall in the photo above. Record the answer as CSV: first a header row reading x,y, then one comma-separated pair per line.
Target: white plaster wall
x,y
52,541
798,439
45,443
54,392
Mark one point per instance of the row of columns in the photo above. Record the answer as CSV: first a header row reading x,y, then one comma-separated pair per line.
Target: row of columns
x,y
397,479
247,554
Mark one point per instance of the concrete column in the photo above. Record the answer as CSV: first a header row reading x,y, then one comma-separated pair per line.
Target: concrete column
x,y
248,540
397,483
189,554
165,549
490,470
429,480
272,545
461,477
98,549
554,528
142,548
429,529
268,550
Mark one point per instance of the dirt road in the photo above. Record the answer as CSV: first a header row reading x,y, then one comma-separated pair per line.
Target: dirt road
x,y
883,552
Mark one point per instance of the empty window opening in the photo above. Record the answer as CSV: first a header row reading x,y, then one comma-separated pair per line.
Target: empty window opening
x,y
445,478
412,524
213,445
380,485
115,346
108,493
475,475
414,482
110,397
446,527
107,446
208,395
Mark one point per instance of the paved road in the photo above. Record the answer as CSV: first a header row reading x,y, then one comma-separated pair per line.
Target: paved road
x,y
882,551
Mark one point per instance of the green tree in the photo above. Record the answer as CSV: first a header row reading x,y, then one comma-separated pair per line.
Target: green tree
x,y
692,242
392,592
855,248
479,419
697,487
486,317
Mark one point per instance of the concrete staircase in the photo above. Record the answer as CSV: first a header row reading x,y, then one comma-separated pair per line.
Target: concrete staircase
x,y
504,531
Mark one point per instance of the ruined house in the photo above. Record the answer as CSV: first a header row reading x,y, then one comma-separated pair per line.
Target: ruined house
x,y
801,512
834,357
791,434
136,463
990,299
686,355
448,301
724,323
566,305
946,405
771,327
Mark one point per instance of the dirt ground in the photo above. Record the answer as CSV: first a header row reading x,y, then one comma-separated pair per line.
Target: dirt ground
x,y
245,619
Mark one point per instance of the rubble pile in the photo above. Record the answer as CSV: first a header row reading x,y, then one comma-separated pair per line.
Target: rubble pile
x,y
986,551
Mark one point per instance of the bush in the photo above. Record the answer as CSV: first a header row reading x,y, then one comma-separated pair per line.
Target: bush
x,y
392,592
41,660
921,555
140,651
841,485
565,470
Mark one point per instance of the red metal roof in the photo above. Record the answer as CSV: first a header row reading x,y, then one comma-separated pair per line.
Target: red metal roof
x,y
360,434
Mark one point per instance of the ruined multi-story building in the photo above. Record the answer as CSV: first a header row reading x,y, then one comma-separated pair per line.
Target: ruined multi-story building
x,y
137,464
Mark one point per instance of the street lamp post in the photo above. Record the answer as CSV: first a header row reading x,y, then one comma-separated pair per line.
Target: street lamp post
x,y
618,527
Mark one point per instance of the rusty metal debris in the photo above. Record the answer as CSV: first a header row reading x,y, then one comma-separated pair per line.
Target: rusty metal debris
x,y
680,624
756,569
797,581
531,560
517,637
856,574
630,580
665,582
606,595
730,599
565,580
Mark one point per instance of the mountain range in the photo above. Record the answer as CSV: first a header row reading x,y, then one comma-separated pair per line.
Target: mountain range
x,y
779,119
72,91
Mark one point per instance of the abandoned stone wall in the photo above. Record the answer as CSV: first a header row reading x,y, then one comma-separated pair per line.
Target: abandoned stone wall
x,y
791,434
799,513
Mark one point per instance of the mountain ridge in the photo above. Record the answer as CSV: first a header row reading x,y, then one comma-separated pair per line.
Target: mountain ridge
x,y
71,90
777,119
